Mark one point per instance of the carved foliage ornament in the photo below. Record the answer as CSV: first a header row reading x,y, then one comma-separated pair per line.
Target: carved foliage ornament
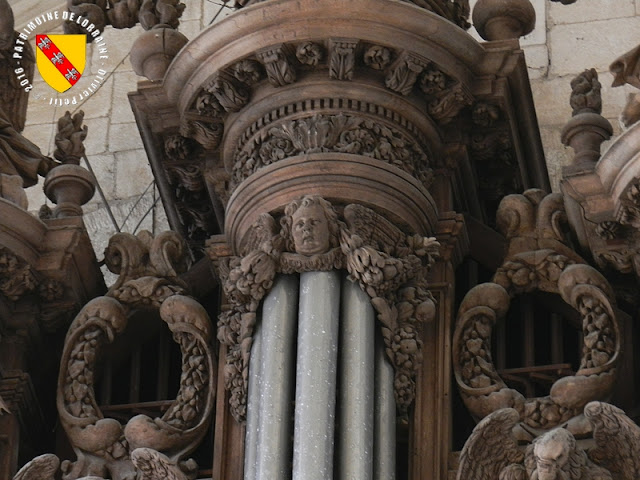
x,y
389,265
536,260
342,133
145,447
492,451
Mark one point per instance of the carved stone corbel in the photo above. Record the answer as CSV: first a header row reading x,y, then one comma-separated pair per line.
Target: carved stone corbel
x,y
389,265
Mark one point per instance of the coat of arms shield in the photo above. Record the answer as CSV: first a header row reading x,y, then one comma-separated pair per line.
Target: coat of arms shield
x,y
61,59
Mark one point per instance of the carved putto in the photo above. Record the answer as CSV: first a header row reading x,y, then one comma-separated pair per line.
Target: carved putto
x,y
388,264
492,451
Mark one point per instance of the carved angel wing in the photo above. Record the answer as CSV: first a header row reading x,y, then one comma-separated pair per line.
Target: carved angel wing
x,y
43,467
492,448
153,465
374,229
617,440
262,230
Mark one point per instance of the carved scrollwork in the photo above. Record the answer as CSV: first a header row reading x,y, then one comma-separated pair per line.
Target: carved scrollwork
x,y
333,133
404,73
389,266
492,451
230,94
148,269
446,106
206,132
536,260
279,70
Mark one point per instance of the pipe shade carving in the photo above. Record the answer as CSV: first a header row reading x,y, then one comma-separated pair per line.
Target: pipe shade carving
x,y
388,264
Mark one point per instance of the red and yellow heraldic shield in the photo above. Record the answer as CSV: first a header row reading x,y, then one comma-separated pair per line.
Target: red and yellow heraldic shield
x,y
61,59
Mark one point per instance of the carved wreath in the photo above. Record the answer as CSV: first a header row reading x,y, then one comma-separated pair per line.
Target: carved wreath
x,y
145,447
388,265
550,266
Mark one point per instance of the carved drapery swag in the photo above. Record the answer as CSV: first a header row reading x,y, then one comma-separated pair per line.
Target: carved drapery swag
x,y
145,448
537,259
492,451
389,266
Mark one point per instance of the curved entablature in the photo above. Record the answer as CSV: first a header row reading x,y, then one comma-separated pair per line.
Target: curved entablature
x,y
399,26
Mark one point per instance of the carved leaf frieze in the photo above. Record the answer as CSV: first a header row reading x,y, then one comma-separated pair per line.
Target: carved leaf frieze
x,y
333,133
389,266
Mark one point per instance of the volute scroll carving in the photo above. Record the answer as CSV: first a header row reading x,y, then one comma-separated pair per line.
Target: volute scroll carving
x,y
537,260
148,280
389,265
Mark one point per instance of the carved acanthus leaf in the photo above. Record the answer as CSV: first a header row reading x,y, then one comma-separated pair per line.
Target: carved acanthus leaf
x,y
404,73
204,131
342,58
447,105
333,133
178,147
276,62
231,94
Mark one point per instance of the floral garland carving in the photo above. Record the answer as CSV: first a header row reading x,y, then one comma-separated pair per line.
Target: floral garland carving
x,y
344,133
148,269
389,265
532,222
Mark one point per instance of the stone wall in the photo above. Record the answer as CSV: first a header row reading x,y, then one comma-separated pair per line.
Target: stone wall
x,y
567,40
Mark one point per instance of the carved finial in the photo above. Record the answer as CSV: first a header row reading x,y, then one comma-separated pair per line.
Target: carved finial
x,y
71,134
503,19
585,93
587,129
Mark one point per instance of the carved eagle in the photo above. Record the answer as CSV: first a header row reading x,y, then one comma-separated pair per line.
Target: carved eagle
x,y
492,451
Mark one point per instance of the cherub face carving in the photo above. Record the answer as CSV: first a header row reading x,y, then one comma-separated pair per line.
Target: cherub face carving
x,y
310,230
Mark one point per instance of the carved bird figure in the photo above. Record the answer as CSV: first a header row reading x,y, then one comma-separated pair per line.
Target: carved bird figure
x,y
43,467
492,451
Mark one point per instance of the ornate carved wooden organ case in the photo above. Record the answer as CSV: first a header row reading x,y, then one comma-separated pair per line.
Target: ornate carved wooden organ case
x,y
361,189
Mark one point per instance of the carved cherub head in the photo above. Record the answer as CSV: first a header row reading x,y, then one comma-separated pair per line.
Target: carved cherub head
x,y
310,226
